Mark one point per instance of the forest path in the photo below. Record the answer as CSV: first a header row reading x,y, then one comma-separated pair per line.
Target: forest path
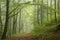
x,y
23,37
50,36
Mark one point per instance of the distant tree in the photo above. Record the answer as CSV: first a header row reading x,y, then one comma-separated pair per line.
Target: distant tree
x,y
20,21
58,4
47,10
41,14
0,15
38,12
55,11
14,20
51,10
35,19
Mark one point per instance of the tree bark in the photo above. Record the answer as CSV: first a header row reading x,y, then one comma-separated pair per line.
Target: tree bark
x,y
6,22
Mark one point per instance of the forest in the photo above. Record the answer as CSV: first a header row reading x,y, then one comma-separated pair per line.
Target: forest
x,y
29,19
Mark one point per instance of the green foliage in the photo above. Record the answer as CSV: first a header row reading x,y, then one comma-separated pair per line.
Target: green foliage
x,y
51,25
19,6
25,12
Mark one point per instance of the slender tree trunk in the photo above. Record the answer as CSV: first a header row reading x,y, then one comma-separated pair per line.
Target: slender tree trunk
x,y
14,20
0,16
41,12
38,12
55,11
51,10
58,4
14,23
35,16
6,22
35,13
20,21
0,13
47,12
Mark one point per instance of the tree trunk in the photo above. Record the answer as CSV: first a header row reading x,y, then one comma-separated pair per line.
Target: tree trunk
x,y
0,15
6,22
55,12
41,15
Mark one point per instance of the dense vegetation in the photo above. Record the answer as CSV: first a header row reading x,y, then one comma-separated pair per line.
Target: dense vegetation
x,y
29,20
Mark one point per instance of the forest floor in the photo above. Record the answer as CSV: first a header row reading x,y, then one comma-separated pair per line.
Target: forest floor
x,y
46,36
